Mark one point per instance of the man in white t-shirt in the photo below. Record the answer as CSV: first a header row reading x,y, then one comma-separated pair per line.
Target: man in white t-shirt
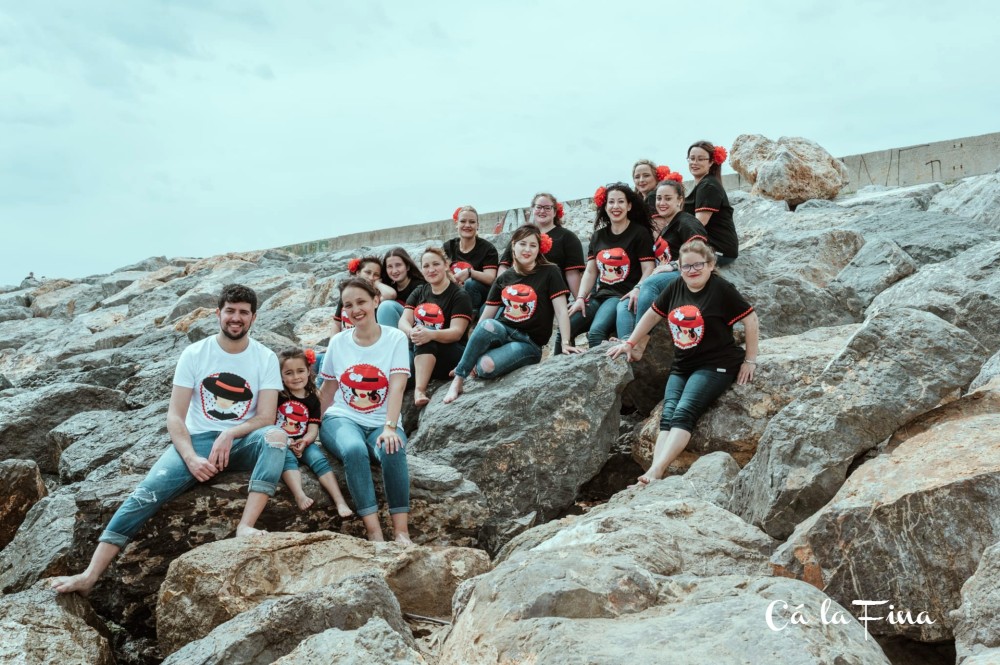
x,y
221,417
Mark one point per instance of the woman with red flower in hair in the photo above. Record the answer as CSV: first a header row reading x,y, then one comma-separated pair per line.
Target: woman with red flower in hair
x,y
474,261
708,201
528,297
700,309
566,252
369,268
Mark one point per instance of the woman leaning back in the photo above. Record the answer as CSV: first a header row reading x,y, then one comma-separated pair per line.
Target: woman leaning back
x,y
708,200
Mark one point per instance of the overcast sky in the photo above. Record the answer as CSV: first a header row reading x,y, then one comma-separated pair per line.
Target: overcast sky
x,y
195,127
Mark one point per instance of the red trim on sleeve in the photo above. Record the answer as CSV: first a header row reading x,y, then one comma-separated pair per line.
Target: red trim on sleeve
x,y
657,310
567,269
697,237
315,420
741,316
590,257
461,316
497,303
651,259
327,377
488,267
560,293
400,370
505,264
408,306
706,210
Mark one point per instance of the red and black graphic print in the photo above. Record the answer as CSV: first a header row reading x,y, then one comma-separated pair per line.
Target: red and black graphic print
x,y
225,396
687,326
613,265
293,417
429,315
459,266
519,302
364,387
661,250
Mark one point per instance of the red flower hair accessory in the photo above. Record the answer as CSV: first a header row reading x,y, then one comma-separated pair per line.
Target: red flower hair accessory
x,y
454,215
353,265
600,197
559,212
676,177
545,243
719,154
662,173
310,356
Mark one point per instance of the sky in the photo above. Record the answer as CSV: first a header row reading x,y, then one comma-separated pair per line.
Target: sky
x,y
196,127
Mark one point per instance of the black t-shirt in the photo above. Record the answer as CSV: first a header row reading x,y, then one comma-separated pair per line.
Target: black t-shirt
x,y
566,252
402,295
525,301
435,311
681,228
345,321
295,414
710,196
619,258
701,325
482,257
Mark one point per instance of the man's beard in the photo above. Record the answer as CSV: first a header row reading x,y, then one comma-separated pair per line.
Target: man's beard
x,y
236,338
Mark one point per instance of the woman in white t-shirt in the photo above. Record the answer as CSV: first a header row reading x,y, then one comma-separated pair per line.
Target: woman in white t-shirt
x,y
364,374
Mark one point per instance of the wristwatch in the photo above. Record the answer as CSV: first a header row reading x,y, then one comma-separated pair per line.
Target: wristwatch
x,y
391,423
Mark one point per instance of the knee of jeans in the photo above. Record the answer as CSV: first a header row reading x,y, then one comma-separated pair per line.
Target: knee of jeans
x,y
276,438
489,325
485,366
141,496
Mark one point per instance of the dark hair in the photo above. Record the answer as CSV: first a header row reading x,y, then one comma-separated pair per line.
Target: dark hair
x,y
715,170
291,353
412,269
362,260
234,293
522,232
678,187
359,283
637,214
555,205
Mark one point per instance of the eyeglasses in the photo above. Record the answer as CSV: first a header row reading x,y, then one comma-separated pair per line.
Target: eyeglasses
x,y
688,267
698,159
543,208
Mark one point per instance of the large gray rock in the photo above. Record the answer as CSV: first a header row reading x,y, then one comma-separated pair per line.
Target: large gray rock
x,y
41,626
275,627
791,169
976,198
889,373
512,448
964,291
23,488
42,545
977,621
14,313
375,643
876,267
66,301
25,420
989,371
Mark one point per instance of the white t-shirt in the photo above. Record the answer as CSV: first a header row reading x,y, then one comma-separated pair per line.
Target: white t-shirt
x,y
225,386
362,374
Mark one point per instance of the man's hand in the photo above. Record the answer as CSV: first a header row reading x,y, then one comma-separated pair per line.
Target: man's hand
x,y
201,468
220,450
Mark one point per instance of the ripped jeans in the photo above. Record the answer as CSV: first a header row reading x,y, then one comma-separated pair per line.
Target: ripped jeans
x,y
262,452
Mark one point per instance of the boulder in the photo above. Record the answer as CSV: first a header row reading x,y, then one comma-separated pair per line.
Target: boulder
x,y
129,293
977,621
901,527
889,373
375,643
15,333
119,280
989,371
876,267
735,422
25,420
23,488
276,627
919,196
976,198
511,448
14,313
791,169
67,301
964,291
651,372
314,326
215,582
42,545
41,626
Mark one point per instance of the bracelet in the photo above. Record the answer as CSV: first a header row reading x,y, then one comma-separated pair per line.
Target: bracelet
x,y
751,362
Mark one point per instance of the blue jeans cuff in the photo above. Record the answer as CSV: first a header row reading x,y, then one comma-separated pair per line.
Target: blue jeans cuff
x,y
263,487
113,538
396,511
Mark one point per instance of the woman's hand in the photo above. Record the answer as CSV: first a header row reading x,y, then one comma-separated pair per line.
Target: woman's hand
x,y
462,275
579,305
632,297
389,440
663,267
572,349
619,349
746,373
297,447
420,335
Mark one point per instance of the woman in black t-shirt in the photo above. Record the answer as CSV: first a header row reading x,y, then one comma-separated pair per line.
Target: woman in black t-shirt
x,y
708,200
530,294
437,315
474,261
402,274
620,256
700,309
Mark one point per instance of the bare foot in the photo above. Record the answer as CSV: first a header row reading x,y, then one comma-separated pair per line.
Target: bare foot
x,y
420,398
80,584
244,531
455,390
644,480
304,502
344,510
403,538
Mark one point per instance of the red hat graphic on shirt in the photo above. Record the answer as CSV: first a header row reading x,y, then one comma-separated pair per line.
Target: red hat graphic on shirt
x,y
225,396
429,315
364,387
661,250
519,302
687,326
293,418
459,266
613,265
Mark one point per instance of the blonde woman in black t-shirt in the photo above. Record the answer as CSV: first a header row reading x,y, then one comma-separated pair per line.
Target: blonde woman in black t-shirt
x,y
474,261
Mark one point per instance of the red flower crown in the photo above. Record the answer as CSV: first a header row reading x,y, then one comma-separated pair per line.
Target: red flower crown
x,y
559,212
353,265
600,197
454,215
719,154
310,356
676,177
545,243
662,173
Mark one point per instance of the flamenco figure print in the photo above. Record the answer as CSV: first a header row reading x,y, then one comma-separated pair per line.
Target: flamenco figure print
x,y
687,326
225,396
293,417
429,315
364,386
519,302
458,266
613,265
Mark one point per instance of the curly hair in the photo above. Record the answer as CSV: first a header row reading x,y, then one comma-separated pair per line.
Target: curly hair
x,y
637,214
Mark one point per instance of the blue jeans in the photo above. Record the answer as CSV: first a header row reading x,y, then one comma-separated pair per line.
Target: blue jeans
x,y
312,456
315,368
170,477
721,260
650,288
354,445
477,293
508,348
389,313
605,318
686,398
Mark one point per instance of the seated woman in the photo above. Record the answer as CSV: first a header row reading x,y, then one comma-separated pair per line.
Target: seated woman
x,y
368,268
620,256
645,175
700,309
437,315
708,200
365,371
474,261
531,293
403,275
